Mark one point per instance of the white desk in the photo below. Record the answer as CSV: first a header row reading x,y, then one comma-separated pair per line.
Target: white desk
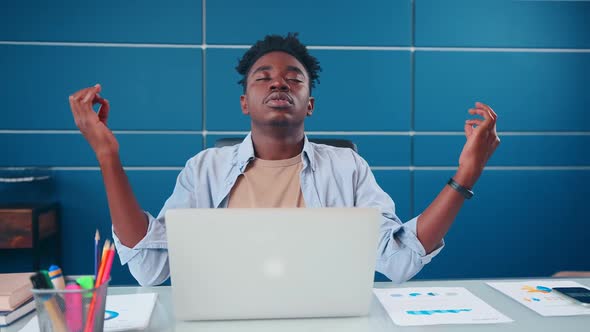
x,y
378,320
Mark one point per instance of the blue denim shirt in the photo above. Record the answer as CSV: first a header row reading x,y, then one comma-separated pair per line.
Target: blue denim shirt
x,y
330,177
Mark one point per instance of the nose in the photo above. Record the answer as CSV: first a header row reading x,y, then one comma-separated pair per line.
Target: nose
x,y
279,84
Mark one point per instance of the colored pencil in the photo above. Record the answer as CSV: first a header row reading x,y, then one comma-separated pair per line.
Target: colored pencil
x,y
107,252
109,264
105,249
96,258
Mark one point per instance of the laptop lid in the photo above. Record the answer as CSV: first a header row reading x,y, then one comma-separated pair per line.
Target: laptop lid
x,y
271,263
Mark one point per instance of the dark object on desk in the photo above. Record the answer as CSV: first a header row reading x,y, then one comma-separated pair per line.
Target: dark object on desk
x,y
579,295
340,143
30,229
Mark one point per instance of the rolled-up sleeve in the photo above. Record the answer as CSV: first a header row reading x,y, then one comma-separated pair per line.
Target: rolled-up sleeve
x,y
400,255
148,259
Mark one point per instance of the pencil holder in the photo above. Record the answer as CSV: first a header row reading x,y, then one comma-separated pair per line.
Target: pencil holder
x,y
73,309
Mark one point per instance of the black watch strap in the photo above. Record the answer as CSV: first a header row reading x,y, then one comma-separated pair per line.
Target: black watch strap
x,y
462,190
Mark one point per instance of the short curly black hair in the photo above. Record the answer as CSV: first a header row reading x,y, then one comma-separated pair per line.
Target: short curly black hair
x,y
289,44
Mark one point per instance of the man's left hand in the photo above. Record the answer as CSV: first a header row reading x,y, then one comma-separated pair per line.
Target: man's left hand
x,y
482,141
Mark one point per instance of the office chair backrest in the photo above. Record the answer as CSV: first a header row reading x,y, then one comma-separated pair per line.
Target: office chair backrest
x,y
337,142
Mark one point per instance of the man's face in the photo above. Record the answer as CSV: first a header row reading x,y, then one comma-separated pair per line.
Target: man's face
x,y
277,92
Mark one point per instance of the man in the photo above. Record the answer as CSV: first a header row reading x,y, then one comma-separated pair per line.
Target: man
x,y
276,166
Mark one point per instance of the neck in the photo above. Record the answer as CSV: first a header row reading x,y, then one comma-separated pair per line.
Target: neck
x,y
271,146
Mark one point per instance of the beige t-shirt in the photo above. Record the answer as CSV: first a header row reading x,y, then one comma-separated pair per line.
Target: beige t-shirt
x,y
269,184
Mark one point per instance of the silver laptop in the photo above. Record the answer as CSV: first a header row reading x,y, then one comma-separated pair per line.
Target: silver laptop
x,y
271,263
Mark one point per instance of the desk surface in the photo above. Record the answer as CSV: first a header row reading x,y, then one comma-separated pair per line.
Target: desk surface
x,y
377,320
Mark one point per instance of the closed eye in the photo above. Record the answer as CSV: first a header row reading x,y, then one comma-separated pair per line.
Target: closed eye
x,y
263,79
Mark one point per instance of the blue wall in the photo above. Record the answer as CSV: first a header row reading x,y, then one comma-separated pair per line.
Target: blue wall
x,y
398,79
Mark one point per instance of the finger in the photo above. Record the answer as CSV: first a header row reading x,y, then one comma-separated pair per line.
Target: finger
x,y
482,112
98,99
468,130
81,93
91,92
78,93
479,104
82,111
74,108
103,110
487,108
474,122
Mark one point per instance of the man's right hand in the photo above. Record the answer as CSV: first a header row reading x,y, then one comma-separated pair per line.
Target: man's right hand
x,y
94,125
129,221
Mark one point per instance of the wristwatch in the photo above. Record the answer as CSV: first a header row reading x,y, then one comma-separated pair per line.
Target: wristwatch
x,y
462,190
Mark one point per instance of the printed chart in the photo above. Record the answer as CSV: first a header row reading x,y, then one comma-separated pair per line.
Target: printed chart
x,y
436,305
538,296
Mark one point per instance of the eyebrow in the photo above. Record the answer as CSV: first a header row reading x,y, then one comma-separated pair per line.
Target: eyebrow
x,y
262,68
295,69
289,68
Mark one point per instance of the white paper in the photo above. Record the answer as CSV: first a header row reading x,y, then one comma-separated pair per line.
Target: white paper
x,y
436,305
133,311
538,296
122,313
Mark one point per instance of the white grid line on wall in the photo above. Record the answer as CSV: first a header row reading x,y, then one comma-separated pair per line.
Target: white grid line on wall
x,y
311,47
204,74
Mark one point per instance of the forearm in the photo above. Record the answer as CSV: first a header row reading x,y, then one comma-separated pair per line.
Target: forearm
x,y
482,141
438,217
129,221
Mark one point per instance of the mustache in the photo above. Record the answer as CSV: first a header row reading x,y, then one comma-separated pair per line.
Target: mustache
x,y
278,96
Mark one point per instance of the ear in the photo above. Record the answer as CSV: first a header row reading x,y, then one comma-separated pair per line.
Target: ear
x,y
244,105
310,106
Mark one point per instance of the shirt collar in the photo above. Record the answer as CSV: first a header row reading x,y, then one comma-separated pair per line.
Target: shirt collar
x,y
308,154
246,153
